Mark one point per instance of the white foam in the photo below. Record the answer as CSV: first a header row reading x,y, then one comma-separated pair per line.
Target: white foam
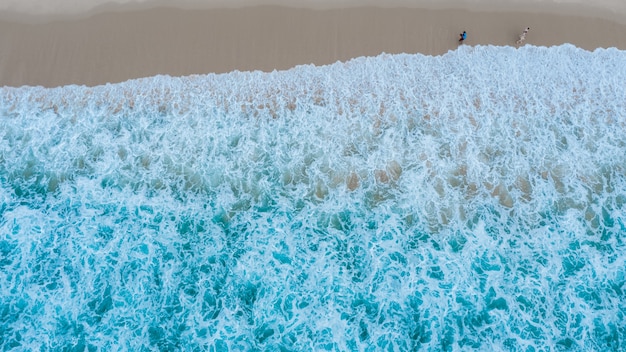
x,y
398,186
439,119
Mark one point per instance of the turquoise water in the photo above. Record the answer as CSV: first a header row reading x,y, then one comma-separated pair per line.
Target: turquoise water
x,y
474,200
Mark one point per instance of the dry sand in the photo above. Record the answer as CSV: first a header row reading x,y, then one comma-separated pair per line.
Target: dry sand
x,y
121,45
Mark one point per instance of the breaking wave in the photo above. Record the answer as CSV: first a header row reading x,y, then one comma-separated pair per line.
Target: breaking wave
x,y
474,200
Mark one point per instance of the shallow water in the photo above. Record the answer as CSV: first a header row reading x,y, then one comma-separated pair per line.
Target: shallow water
x,y
474,200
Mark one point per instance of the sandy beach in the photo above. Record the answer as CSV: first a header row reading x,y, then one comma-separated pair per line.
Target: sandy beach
x,y
123,43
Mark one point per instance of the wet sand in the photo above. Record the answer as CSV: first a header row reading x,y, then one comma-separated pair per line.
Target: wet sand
x,y
114,46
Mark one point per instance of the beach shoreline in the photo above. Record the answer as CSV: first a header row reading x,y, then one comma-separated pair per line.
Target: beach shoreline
x,y
129,42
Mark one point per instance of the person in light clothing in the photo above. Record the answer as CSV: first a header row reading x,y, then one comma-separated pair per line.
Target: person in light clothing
x,y
522,37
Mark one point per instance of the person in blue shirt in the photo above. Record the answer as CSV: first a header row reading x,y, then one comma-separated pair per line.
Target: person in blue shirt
x,y
462,37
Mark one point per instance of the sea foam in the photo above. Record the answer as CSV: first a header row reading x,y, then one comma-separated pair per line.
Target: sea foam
x,y
471,200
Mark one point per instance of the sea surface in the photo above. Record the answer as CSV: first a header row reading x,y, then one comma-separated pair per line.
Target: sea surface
x,y
470,201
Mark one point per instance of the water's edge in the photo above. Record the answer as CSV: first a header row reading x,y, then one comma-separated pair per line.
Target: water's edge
x,y
471,200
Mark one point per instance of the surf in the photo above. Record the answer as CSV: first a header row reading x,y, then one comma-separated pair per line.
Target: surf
x,y
469,200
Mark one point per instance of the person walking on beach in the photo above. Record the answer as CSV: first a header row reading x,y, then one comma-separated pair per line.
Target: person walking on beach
x,y
522,37
462,37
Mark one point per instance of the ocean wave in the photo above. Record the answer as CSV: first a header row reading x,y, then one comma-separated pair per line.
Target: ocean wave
x,y
470,200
